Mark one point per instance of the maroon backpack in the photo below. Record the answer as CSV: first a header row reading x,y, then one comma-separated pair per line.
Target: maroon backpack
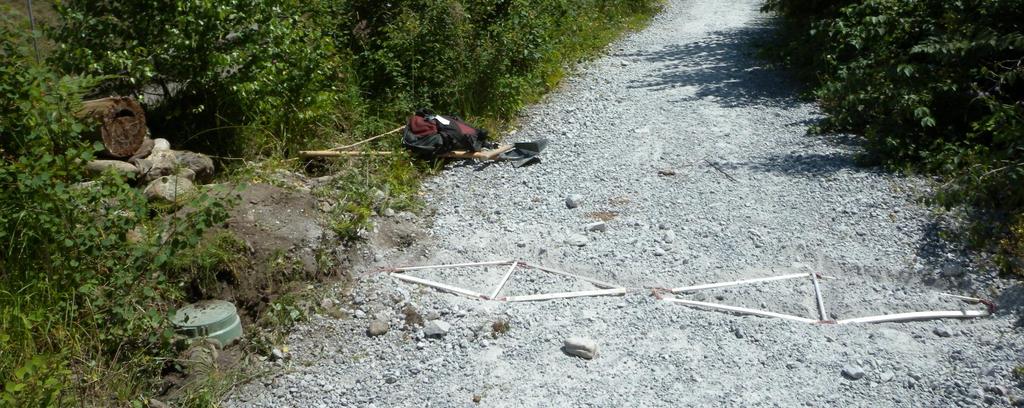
x,y
430,135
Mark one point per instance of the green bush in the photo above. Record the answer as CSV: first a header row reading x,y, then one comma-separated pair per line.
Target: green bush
x,y
933,84
83,305
241,76
476,57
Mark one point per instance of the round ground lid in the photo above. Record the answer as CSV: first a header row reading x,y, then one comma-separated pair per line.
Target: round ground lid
x,y
216,319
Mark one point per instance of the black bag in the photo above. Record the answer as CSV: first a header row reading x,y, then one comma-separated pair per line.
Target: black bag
x,y
430,135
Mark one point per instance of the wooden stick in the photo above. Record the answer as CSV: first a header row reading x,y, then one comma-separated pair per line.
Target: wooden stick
x,y
368,140
504,280
595,282
736,283
564,295
417,268
740,310
481,155
440,286
912,316
308,154
817,296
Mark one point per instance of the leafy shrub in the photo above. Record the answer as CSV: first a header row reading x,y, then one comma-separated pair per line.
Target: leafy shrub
x,y
477,58
82,302
247,76
935,84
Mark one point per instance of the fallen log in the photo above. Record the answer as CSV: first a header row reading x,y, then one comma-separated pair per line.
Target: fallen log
x,y
122,123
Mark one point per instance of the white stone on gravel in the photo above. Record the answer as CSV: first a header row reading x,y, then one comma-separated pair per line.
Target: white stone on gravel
x,y
853,372
578,240
580,347
378,328
436,328
942,331
573,200
599,226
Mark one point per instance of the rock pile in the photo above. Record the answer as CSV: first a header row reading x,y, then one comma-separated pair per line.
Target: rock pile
x,y
166,176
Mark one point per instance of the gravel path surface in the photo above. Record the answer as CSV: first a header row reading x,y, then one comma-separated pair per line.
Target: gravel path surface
x,y
696,157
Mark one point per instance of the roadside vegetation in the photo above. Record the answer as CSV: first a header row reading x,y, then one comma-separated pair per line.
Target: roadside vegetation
x,y
89,274
933,86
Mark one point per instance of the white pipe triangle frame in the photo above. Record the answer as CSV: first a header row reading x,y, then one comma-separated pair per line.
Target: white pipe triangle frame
x,y
822,314
606,289
609,289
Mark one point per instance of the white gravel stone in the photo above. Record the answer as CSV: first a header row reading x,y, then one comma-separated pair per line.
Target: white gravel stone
x,y
581,347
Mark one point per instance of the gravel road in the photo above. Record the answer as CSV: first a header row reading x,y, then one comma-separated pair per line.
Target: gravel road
x,y
695,155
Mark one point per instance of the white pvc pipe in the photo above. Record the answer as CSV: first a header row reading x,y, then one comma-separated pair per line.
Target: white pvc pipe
x,y
600,284
416,268
504,280
905,317
564,295
438,285
737,283
817,296
741,310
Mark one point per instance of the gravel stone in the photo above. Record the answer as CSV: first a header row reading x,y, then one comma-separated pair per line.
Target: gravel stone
x,y
577,240
573,201
378,328
580,347
942,331
436,328
599,226
853,372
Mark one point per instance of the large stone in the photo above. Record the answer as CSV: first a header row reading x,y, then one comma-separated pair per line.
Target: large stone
x,y
97,167
573,200
577,240
580,347
853,372
201,164
436,328
158,164
161,144
144,149
378,328
169,189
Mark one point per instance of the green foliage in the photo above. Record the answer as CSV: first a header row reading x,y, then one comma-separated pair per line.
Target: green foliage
x,y
247,76
934,83
81,296
475,57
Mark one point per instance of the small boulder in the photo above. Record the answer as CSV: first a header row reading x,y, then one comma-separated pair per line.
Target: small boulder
x,y
156,165
942,331
378,328
169,189
577,240
161,144
573,200
97,167
853,372
201,164
599,226
144,149
436,328
580,347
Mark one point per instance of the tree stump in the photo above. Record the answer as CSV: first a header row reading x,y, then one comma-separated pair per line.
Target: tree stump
x,y
122,123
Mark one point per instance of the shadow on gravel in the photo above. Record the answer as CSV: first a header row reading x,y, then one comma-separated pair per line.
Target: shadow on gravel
x,y
724,67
